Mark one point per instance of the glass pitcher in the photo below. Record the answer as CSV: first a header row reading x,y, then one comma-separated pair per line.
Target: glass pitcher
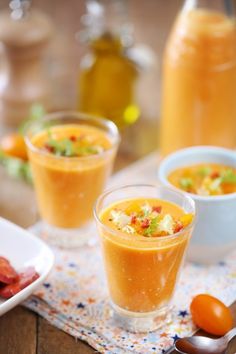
x,y
199,78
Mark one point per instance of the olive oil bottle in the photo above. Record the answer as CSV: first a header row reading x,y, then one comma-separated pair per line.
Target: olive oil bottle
x,y
108,74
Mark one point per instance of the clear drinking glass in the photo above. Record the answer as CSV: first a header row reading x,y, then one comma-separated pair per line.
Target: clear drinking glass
x,y
67,187
142,271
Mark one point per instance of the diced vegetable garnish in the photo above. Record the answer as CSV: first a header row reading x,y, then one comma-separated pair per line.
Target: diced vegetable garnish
x,y
147,220
228,176
206,179
204,171
72,146
186,183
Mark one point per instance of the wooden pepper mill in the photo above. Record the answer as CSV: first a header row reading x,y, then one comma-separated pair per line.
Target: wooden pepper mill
x,y
24,34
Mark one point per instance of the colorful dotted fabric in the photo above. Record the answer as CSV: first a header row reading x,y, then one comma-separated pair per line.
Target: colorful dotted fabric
x,y
74,298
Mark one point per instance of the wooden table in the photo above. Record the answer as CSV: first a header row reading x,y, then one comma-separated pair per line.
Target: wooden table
x,y
23,331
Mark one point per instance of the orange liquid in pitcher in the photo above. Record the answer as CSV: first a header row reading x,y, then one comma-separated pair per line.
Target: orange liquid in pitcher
x,y
199,83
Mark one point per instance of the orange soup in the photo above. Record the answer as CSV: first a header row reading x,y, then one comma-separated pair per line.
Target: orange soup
x,y
205,179
144,241
70,165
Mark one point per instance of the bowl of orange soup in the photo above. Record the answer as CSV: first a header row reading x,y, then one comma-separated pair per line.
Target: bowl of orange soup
x,y
208,175
144,231
71,155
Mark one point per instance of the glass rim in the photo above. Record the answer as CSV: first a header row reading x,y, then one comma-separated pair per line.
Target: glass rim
x,y
144,238
111,126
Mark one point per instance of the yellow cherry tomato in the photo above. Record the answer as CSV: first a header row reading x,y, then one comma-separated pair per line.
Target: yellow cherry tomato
x,y
13,145
211,315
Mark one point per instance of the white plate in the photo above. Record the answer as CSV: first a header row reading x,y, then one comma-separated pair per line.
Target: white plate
x,y
23,249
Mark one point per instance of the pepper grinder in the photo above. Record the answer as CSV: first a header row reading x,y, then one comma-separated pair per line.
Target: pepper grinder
x,y
24,34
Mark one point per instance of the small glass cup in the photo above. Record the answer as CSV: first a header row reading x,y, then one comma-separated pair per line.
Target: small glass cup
x,y
67,187
142,271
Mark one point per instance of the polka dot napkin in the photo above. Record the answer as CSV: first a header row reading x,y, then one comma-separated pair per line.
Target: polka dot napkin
x,y
75,298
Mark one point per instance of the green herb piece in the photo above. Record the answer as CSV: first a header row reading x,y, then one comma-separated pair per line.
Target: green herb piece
x,y
204,171
67,147
152,227
85,150
26,172
63,147
16,168
228,176
186,183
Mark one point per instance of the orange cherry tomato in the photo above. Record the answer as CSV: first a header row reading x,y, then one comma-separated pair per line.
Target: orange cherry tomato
x,y
13,145
211,315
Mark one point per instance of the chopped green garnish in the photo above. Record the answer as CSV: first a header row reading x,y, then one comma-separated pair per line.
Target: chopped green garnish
x,y
204,171
228,176
70,148
16,167
186,183
63,147
86,150
152,227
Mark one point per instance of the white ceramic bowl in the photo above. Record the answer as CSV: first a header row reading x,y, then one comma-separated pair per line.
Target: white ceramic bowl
x,y
215,231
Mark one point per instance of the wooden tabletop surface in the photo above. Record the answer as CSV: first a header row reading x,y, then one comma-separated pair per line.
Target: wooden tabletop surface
x,y
23,331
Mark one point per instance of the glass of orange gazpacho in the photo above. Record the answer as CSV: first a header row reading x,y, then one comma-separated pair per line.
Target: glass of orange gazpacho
x,y
71,155
144,231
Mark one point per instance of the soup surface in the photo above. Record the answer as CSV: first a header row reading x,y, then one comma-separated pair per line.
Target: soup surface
x,y
72,140
205,179
149,218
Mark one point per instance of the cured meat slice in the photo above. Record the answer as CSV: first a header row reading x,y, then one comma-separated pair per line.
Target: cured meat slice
x,y
8,274
25,278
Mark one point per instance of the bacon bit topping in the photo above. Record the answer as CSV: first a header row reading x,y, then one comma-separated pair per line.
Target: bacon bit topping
x,y
178,226
157,208
7,272
133,219
49,148
215,174
145,223
73,138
